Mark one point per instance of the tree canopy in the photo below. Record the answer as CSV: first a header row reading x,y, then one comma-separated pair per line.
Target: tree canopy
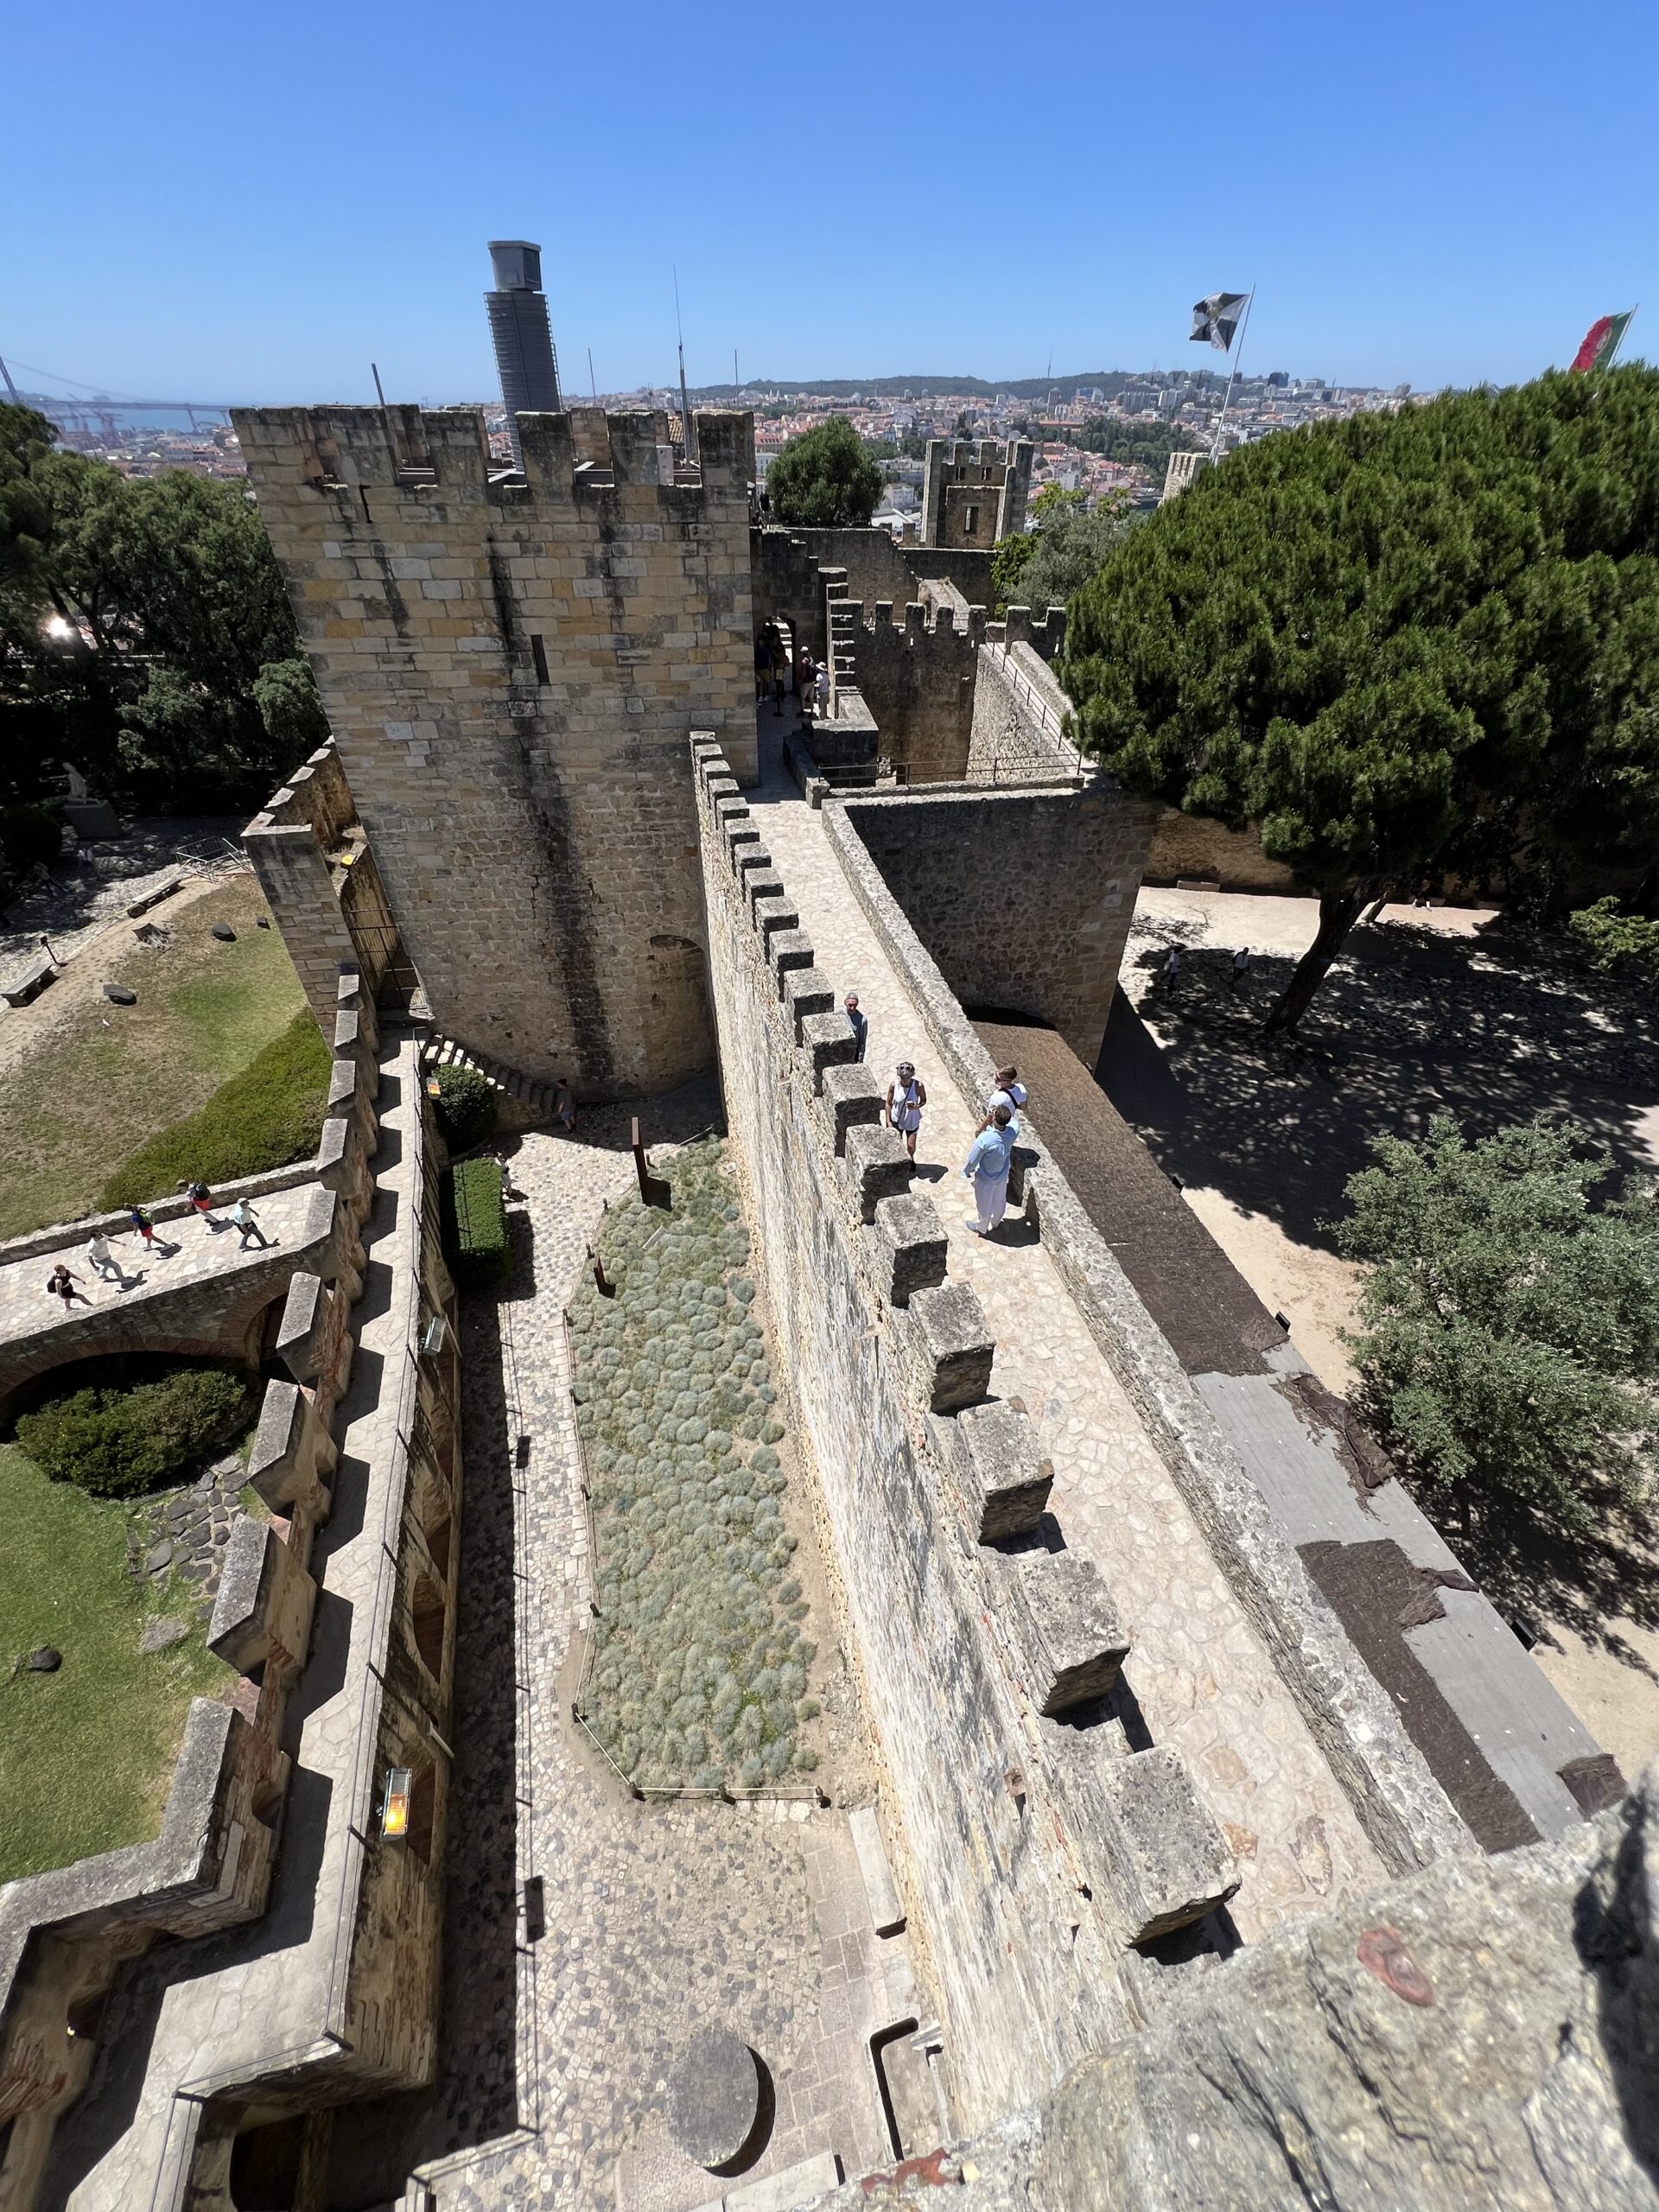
x,y
145,636
824,479
1399,643
1068,541
1511,1336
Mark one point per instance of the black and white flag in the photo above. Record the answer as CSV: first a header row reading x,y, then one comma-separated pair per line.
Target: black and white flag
x,y
1218,318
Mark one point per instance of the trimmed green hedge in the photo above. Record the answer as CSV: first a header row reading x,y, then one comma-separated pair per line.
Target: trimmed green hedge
x,y
265,1117
466,1107
474,1222
122,1443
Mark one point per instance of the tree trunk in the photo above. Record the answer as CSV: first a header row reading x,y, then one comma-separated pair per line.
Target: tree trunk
x,y
1378,903
1338,912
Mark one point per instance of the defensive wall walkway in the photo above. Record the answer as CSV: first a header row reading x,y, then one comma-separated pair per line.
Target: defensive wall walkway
x,y
1202,1678
197,1292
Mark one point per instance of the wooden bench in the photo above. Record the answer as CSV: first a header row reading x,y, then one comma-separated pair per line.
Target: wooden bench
x,y
32,981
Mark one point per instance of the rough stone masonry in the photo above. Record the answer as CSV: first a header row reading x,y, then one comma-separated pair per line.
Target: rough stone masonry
x,y
510,660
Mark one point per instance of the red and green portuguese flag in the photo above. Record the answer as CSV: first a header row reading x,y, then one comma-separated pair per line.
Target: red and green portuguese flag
x,y
1602,341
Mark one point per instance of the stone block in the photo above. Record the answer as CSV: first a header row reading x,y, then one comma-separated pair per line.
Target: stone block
x,y
788,949
828,1042
792,2190
1162,1858
749,856
949,1347
804,991
762,884
854,1095
772,915
713,2097
1001,1473
908,1244
720,786
877,1168
1066,1635
293,1454
262,1615
887,1911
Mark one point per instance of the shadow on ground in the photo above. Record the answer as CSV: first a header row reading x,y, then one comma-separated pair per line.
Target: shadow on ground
x,y
1586,1583
1409,1024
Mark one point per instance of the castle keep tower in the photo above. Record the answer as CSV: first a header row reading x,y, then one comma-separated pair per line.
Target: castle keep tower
x,y
975,495
510,660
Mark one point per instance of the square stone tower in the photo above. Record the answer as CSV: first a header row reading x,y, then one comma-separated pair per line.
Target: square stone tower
x,y
510,660
975,495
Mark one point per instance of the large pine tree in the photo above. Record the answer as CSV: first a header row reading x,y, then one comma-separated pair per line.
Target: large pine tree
x,y
1403,642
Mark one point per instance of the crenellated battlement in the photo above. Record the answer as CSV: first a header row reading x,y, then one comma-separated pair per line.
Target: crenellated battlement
x,y
443,454
975,493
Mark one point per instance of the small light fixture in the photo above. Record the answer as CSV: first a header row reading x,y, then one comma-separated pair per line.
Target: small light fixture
x,y
394,1811
433,1339
433,1089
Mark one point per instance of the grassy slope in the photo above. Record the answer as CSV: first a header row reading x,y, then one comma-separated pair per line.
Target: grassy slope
x,y
86,1755
78,1107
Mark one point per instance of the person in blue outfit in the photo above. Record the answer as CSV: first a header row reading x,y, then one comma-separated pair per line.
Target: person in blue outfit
x,y
987,1169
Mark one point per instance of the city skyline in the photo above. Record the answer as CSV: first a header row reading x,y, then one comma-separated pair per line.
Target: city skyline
x,y
1411,207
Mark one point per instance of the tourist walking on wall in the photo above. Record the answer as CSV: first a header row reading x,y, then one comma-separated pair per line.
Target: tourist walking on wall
x,y
145,1227
201,1199
805,677
987,1169
564,1107
1009,1092
243,1219
1241,967
762,669
1172,968
62,1284
103,1259
858,1023
905,1099
820,685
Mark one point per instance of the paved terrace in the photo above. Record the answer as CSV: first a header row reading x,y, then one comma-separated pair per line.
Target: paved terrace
x,y
1198,1671
659,1918
196,1291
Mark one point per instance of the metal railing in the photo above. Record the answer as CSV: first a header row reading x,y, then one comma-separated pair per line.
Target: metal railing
x,y
1042,711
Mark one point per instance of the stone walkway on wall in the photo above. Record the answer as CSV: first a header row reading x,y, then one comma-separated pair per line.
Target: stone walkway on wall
x,y
1200,1676
659,1918
197,1252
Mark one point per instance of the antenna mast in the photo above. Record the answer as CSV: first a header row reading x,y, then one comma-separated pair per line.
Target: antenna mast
x,y
690,447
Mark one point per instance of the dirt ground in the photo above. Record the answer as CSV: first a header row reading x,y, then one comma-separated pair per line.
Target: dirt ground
x,y
1428,1011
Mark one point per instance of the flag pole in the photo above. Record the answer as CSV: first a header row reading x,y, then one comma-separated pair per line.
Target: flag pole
x,y
1232,379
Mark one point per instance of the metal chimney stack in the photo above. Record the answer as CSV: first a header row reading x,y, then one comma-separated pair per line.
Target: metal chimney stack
x,y
524,358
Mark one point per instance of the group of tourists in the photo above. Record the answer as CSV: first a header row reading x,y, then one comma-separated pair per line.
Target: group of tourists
x,y
63,1282
771,672
991,1154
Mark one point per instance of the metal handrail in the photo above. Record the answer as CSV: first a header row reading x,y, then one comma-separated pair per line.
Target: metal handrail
x,y
1049,723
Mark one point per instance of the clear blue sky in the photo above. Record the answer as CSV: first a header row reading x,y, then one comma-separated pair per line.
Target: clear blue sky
x,y
252,201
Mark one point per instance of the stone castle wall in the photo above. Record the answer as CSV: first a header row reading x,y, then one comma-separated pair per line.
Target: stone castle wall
x,y
974,494
1017,1867
1024,896
916,675
509,662
1019,706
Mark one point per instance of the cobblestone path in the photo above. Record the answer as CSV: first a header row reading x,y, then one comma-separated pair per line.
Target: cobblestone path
x,y
1200,1675
656,1918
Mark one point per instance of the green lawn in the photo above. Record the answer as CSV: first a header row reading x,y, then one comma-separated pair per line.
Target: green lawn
x,y
86,1755
81,1107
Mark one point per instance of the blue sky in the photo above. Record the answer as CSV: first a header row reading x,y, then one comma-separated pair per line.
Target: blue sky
x,y
253,202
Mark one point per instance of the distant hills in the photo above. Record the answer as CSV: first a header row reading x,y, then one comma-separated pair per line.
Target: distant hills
x,y
1110,381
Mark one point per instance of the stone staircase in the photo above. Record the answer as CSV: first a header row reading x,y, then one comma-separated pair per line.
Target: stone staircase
x,y
523,1100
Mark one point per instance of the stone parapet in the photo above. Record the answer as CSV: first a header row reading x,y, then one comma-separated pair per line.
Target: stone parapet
x,y
1406,1815
928,1477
